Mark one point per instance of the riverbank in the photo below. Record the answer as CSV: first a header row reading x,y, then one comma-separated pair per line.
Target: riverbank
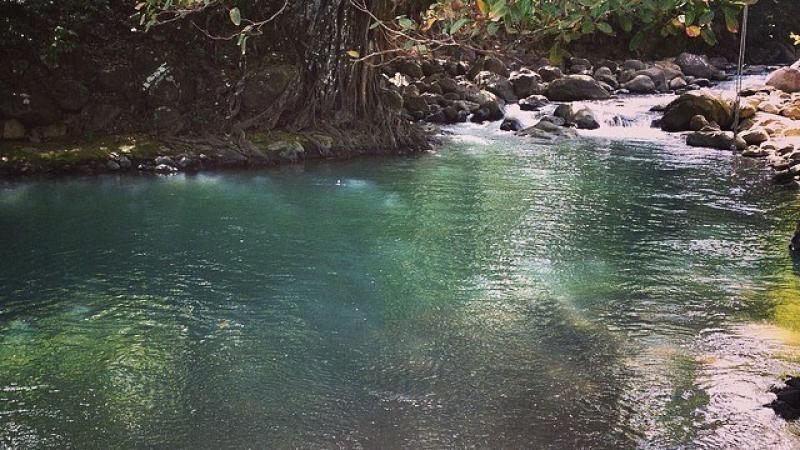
x,y
167,155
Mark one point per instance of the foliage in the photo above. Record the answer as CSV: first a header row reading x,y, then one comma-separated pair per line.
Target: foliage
x,y
50,28
565,21
795,38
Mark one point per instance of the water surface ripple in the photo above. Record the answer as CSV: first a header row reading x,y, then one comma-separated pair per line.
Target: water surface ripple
x,y
498,294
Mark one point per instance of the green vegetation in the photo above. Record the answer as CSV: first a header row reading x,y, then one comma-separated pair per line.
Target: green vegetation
x,y
566,21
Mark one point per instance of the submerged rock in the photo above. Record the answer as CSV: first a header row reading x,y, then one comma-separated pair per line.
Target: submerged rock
x,y
584,119
723,140
547,130
511,124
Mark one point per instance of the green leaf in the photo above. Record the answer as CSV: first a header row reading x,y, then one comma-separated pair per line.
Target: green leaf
x,y
458,24
709,36
605,28
405,23
353,54
637,41
236,16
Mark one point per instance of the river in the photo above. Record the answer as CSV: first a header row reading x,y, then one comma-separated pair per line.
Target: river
x,y
620,291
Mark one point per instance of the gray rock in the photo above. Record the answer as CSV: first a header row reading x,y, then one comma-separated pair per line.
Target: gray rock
x,y
124,162
410,68
698,123
511,124
565,112
431,67
640,84
287,150
163,160
755,136
533,103
550,73
494,65
490,103
576,87
497,85
723,140
605,75
677,83
786,79
165,169
546,130
584,119
113,165
634,65
525,84
449,85
698,66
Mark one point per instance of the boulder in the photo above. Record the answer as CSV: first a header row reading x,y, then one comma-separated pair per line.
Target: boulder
x,y
410,68
792,111
698,66
494,65
511,124
576,87
677,83
533,103
496,84
491,107
525,83
550,73
605,75
431,67
640,84
755,136
786,79
723,140
415,103
698,122
564,111
679,113
546,130
634,65
448,85
584,119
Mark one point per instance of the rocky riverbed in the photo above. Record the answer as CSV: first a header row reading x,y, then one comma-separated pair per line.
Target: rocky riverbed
x,y
435,92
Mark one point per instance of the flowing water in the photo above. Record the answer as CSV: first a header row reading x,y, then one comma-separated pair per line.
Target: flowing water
x,y
605,293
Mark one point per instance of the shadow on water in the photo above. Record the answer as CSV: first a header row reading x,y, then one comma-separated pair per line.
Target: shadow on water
x,y
498,294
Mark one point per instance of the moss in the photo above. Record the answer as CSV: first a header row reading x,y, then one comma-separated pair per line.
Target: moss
x,y
76,152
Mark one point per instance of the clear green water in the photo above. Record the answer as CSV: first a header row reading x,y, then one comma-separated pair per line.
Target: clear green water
x,y
498,294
